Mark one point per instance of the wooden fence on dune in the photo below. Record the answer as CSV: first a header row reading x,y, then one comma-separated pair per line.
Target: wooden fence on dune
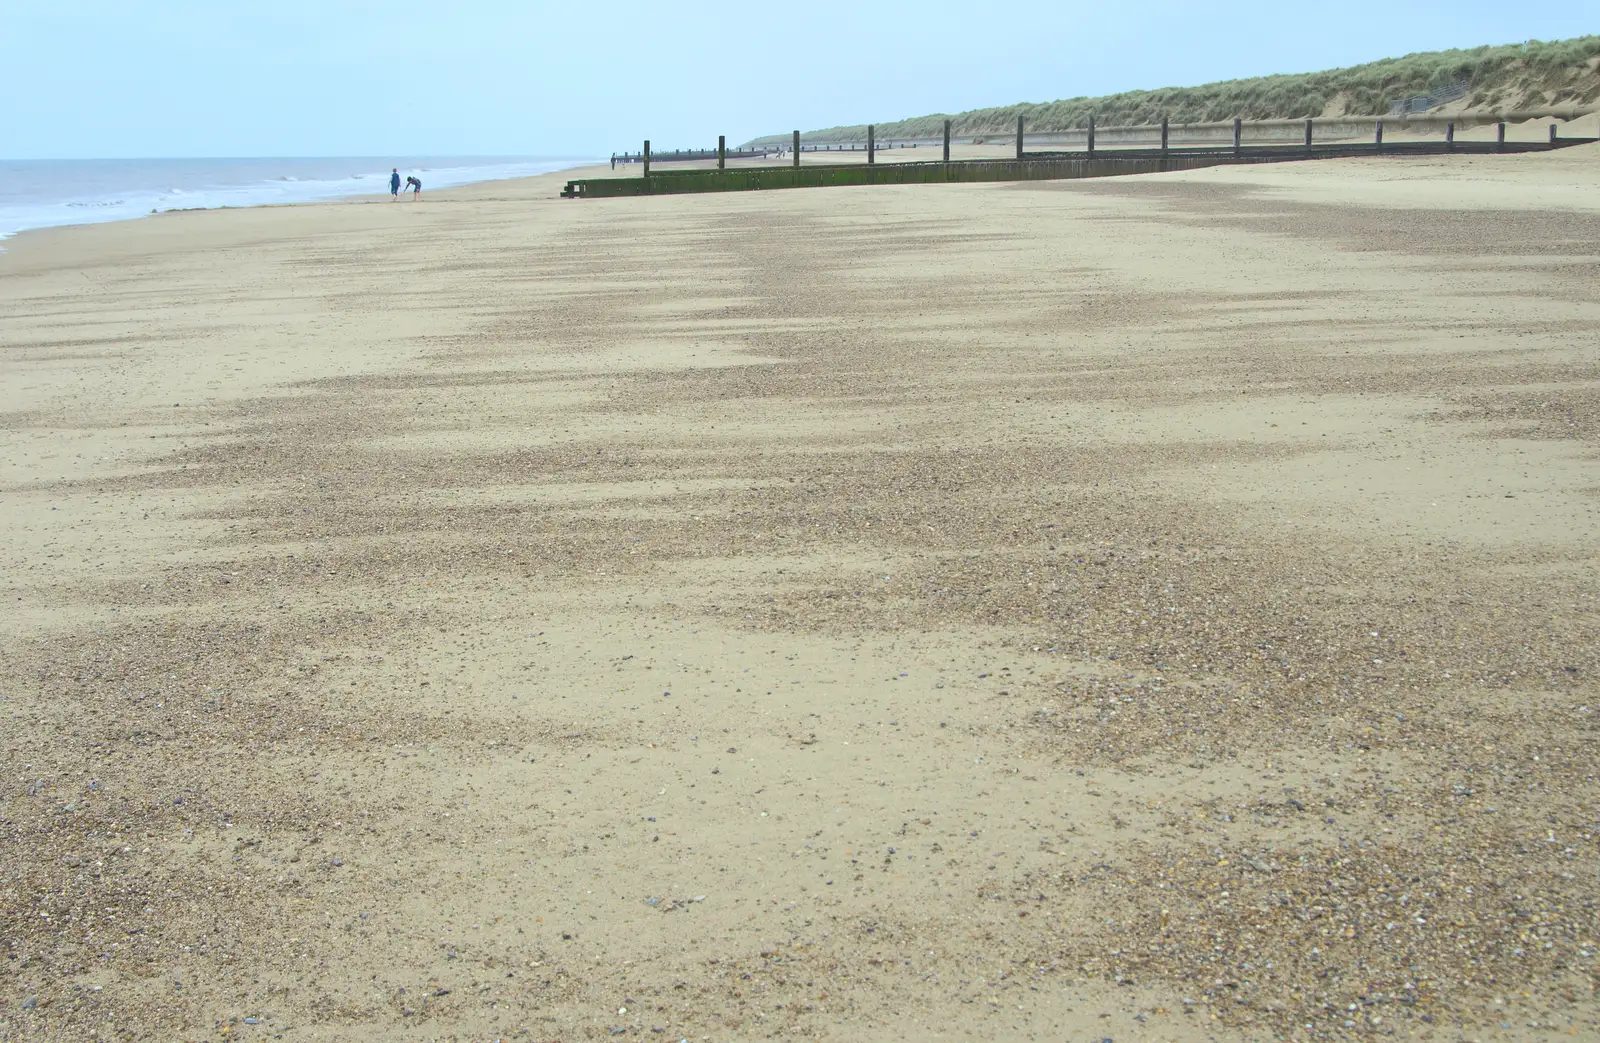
x,y
1100,152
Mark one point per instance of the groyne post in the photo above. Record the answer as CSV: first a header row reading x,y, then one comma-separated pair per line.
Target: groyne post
x,y
646,157
1019,137
1163,133
1552,133
722,152
1500,137
1238,134
872,143
1091,135
1377,137
1450,135
797,149
1308,135
947,141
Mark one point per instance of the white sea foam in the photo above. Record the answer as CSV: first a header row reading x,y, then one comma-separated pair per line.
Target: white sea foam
x,y
48,193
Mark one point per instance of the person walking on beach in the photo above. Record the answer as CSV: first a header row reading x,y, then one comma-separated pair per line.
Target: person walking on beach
x,y
416,187
394,183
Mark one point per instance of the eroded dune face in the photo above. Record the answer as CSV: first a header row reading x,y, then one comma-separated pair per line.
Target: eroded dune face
x,y
1142,609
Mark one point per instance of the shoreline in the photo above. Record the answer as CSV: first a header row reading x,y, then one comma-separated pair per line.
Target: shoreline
x,y
108,240
330,189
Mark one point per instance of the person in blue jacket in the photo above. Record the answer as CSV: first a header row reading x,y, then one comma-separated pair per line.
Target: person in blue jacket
x,y
394,183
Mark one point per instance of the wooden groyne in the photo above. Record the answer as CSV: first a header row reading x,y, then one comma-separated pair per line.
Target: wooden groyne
x,y
1037,165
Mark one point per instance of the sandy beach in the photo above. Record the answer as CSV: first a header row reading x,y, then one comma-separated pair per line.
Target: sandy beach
x,y
1153,608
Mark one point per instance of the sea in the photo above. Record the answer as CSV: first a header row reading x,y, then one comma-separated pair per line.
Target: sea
x,y
43,193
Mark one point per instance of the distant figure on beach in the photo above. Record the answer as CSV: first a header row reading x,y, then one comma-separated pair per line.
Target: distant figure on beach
x,y
394,183
415,186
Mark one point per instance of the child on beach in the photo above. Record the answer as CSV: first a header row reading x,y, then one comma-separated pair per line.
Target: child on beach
x,y
394,183
415,186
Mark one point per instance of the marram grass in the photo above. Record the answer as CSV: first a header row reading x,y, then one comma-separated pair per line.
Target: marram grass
x,y
1535,74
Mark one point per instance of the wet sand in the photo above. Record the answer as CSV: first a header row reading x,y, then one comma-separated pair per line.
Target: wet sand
x,y
1153,608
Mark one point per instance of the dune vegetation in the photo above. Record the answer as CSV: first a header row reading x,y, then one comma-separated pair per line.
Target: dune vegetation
x,y
1535,74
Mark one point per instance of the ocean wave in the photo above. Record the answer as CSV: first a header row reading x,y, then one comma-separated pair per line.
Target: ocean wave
x,y
44,194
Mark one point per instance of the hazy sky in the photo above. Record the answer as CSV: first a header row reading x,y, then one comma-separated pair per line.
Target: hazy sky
x,y
84,78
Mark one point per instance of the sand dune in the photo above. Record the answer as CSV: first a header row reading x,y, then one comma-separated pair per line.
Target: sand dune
x,y
1147,608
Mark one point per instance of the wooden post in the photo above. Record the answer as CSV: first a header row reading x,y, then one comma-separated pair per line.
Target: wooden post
x,y
1552,133
947,141
1450,134
1238,135
1019,137
722,152
797,148
646,157
872,143
1091,135
1163,133
1500,137
1377,137
1308,135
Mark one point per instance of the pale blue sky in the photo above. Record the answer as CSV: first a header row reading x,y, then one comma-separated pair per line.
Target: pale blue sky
x,y
84,78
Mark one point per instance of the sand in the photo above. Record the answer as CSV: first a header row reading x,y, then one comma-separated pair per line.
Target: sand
x,y
1153,608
